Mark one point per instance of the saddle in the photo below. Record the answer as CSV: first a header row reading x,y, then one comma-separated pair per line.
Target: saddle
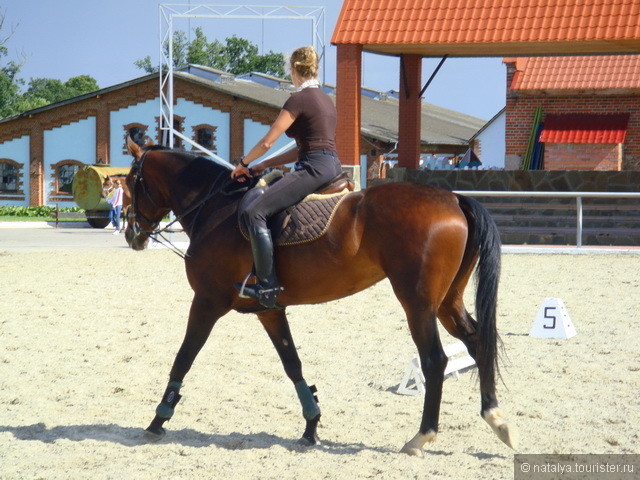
x,y
304,221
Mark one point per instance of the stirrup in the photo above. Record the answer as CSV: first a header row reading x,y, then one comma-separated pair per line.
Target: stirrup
x,y
267,297
240,286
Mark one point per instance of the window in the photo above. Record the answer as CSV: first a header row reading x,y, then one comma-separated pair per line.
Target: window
x,y
65,176
205,135
8,177
137,135
137,132
62,174
178,126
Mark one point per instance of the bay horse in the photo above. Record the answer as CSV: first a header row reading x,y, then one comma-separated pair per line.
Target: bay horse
x,y
425,240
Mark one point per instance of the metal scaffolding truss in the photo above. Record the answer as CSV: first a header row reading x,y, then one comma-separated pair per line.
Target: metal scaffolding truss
x,y
169,12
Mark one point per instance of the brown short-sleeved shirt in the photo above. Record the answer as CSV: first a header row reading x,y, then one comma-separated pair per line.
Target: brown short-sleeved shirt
x,y
315,125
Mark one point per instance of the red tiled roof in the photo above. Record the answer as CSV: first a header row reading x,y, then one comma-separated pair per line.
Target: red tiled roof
x,y
584,128
490,27
595,72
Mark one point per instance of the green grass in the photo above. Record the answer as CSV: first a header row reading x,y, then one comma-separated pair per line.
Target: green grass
x,y
14,218
43,213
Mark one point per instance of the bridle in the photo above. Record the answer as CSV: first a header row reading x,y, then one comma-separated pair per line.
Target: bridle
x,y
133,212
155,232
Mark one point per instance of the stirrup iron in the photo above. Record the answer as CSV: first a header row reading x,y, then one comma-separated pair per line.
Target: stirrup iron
x,y
241,286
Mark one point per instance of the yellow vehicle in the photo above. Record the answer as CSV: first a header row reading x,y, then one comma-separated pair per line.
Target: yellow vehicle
x,y
87,190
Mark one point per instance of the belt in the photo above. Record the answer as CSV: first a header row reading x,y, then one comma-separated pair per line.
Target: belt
x,y
324,151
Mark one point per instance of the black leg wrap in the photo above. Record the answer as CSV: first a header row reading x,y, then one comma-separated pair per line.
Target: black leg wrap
x,y
170,399
165,409
310,432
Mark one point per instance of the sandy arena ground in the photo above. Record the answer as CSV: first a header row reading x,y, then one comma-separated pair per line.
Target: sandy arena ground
x,y
87,339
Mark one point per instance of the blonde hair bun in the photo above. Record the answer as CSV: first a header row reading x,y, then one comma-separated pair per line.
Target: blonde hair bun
x,y
304,61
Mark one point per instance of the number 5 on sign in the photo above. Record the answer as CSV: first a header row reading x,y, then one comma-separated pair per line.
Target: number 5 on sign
x,y
552,321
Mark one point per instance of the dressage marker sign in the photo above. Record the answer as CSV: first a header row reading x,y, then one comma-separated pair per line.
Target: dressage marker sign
x,y
552,321
413,380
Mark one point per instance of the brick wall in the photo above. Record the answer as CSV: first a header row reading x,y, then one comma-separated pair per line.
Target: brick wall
x,y
36,166
348,103
582,156
103,131
521,109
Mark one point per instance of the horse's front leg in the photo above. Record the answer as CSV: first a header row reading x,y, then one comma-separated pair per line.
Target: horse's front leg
x,y
203,315
277,327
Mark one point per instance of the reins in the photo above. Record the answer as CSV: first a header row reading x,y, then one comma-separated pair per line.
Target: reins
x,y
158,234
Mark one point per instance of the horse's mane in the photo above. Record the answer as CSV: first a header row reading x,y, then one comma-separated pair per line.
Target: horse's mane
x,y
149,148
198,171
199,168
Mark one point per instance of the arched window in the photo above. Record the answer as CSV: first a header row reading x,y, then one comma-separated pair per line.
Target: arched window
x,y
8,177
205,135
137,132
63,173
178,126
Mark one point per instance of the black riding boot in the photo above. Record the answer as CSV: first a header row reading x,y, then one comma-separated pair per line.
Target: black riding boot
x,y
267,289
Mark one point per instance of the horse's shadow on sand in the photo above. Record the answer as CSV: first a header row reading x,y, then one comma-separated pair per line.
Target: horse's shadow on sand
x,y
133,437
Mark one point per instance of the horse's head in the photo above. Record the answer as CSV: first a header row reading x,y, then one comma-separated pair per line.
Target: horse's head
x,y
148,207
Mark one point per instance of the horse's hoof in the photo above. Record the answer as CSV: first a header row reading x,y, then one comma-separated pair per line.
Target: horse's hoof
x,y
154,436
414,446
509,435
309,441
412,451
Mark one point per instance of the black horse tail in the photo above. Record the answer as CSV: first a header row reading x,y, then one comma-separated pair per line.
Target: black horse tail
x,y
483,243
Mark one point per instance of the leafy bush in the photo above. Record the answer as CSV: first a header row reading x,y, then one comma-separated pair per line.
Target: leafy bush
x,y
42,211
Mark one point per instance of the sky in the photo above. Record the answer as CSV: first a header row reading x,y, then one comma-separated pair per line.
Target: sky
x,y
103,38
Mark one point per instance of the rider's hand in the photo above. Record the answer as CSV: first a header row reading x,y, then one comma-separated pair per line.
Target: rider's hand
x,y
240,173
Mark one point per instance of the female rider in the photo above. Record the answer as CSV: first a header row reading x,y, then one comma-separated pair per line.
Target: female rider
x,y
308,116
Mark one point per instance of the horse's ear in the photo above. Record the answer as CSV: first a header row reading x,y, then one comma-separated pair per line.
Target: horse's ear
x,y
134,148
149,142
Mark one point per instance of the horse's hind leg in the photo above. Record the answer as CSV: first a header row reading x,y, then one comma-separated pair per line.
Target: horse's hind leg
x,y
422,323
277,327
202,317
461,325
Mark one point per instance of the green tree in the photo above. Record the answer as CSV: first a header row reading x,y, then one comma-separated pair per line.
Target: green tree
x,y
242,55
52,90
48,89
237,55
201,52
81,84
9,83
180,48
146,65
9,88
270,63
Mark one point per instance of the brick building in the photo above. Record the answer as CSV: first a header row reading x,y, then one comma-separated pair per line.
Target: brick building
x,y
493,28
590,111
40,150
